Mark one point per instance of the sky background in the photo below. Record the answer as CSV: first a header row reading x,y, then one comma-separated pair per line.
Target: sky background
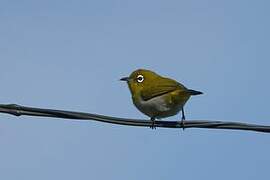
x,y
69,55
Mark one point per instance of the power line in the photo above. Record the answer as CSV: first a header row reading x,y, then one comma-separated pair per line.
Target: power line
x,y
18,110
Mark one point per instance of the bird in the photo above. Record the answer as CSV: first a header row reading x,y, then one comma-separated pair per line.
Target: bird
x,y
156,96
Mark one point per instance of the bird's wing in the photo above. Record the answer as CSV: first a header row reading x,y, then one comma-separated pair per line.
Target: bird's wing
x,y
161,87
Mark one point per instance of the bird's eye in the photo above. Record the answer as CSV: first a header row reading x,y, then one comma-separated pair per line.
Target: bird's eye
x,y
140,78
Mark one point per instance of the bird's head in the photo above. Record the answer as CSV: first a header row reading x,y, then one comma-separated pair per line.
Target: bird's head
x,y
140,79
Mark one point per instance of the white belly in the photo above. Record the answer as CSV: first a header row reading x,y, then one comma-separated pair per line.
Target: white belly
x,y
157,107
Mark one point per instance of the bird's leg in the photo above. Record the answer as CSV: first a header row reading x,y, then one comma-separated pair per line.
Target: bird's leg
x,y
152,126
183,118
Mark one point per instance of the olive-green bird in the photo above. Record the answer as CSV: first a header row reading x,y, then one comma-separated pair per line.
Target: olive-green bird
x,y
157,96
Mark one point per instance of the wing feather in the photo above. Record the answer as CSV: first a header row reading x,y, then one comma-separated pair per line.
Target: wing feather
x,y
160,87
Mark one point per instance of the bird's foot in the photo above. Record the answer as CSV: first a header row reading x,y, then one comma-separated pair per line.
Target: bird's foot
x,y
183,122
152,126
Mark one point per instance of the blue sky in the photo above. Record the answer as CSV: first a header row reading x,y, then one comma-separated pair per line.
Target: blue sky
x,y
70,54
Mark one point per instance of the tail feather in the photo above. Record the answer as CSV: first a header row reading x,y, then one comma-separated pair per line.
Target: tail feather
x,y
194,93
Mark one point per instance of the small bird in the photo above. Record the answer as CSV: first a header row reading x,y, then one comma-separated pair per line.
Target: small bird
x,y
156,96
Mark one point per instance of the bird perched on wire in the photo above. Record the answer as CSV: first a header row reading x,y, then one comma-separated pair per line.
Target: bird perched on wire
x,y
156,96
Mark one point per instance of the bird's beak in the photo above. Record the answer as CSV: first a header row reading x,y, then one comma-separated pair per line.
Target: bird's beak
x,y
124,79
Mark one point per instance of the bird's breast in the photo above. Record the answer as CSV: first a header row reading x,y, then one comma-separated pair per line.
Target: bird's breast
x,y
159,107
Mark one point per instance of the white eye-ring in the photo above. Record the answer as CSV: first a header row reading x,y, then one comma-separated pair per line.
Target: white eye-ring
x,y
140,78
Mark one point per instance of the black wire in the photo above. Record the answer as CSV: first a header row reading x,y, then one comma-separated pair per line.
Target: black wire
x,y
18,110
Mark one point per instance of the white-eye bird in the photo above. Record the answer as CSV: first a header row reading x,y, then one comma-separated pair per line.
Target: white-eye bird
x,y
156,96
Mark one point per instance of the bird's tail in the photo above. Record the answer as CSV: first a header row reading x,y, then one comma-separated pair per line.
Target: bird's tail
x,y
194,93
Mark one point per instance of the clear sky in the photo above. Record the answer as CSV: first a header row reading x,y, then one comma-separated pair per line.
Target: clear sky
x,y
70,54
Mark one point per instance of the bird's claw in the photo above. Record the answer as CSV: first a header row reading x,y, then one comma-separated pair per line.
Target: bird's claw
x,y
152,126
183,122
183,119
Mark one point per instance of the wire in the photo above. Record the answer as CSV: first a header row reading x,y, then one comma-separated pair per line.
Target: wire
x,y
18,110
